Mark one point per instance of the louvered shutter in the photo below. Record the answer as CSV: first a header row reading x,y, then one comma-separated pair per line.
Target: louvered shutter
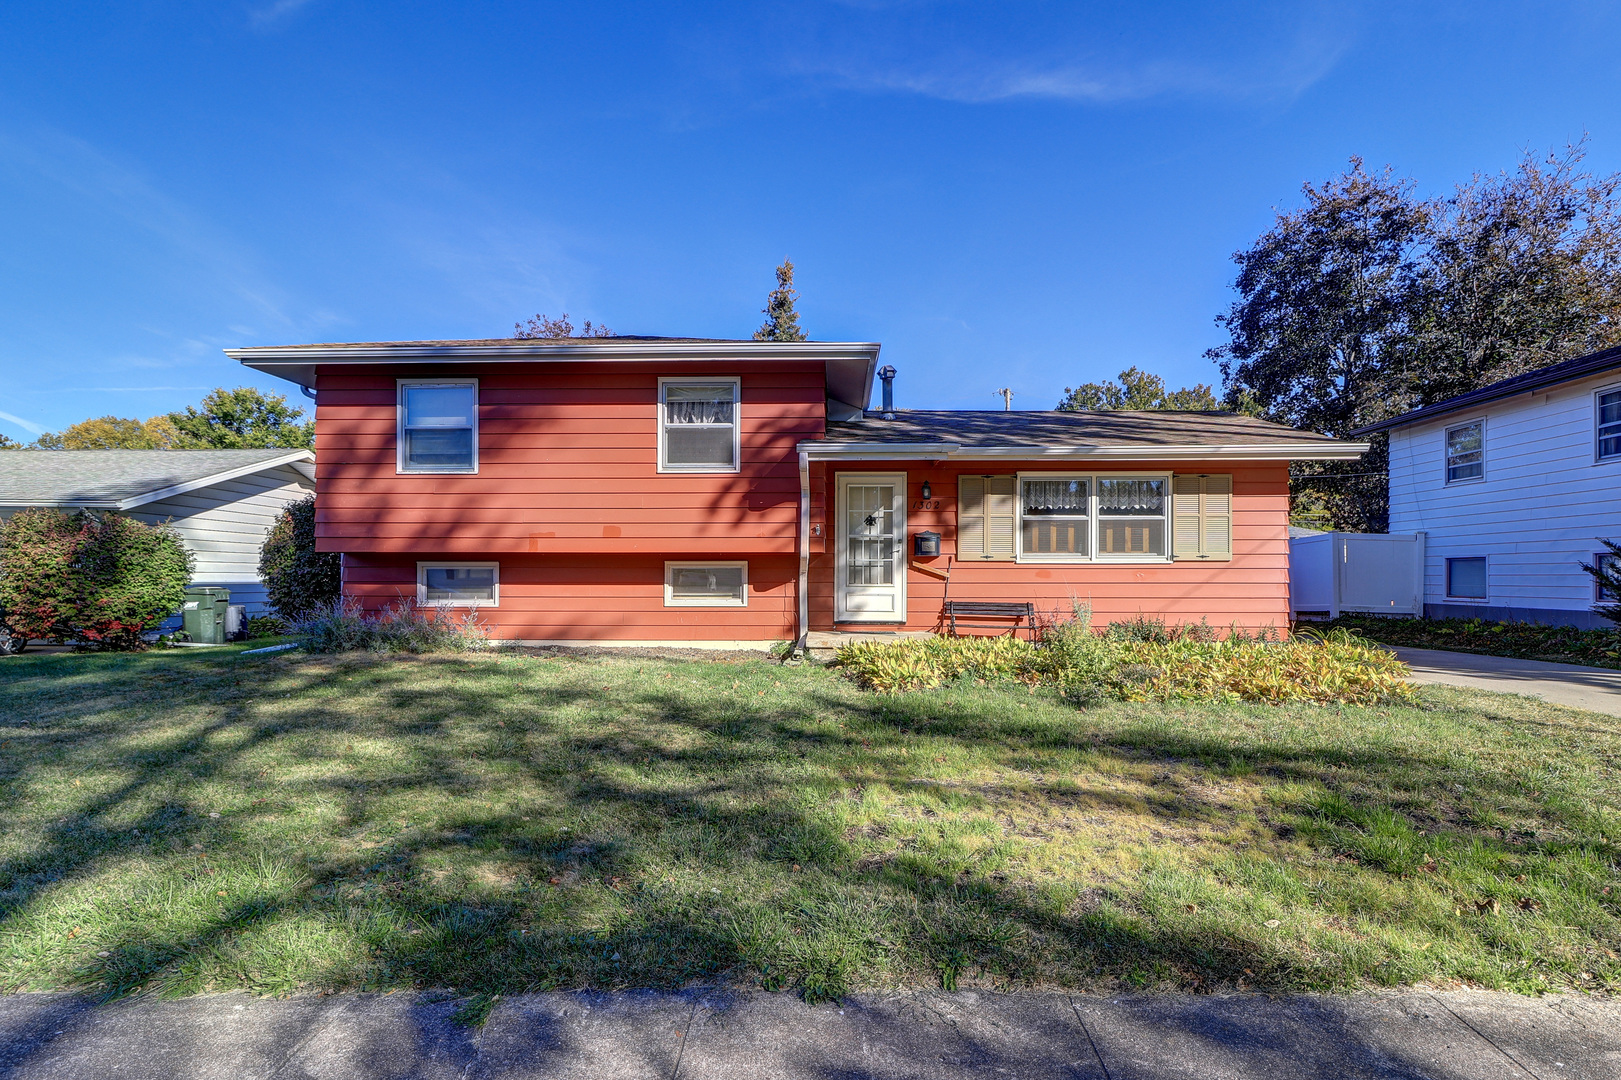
x,y
1202,516
987,515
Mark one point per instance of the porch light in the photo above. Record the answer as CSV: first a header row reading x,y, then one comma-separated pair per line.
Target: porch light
x,y
928,492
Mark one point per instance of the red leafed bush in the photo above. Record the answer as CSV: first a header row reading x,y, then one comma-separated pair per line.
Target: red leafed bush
x,y
102,580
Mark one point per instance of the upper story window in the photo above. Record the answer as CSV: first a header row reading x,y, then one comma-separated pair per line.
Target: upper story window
x,y
1466,451
438,426
1609,424
698,425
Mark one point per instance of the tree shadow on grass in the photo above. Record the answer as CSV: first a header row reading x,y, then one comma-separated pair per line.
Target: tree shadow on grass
x,y
683,837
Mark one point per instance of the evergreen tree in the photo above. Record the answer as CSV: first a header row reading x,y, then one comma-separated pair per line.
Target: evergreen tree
x,y
1606,572
781,320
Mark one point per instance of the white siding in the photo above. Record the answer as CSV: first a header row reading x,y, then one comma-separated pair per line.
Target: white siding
x,y
1538,511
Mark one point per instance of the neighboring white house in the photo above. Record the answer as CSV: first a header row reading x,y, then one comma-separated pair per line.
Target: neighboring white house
x,y
222,502
1514,484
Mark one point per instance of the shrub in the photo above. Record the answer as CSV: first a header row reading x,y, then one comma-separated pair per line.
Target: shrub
x,y
299,579
341,625
263,626
103,580
1085,666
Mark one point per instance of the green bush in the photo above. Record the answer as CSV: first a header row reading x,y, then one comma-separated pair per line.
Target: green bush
x,y
342,626
263,626
299,579
1163,665
102,580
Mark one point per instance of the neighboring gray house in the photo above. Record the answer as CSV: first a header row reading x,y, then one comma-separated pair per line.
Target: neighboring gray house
x,y
222,502
1513,484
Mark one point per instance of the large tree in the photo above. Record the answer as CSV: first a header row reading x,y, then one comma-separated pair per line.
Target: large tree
x,y
1367,301
781,317
1136,390
243,418
114,433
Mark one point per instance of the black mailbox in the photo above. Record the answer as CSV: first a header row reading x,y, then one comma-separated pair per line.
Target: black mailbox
x,y
926,544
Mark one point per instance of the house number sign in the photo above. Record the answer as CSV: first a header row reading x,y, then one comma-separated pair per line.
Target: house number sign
x,y
925,504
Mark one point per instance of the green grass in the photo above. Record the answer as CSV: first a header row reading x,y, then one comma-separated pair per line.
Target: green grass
x,y
1525,641
492,824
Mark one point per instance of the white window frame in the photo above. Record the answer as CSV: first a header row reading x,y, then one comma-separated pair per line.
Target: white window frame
x,y
1597,394
439,564
1093,520
736,384
400,467
670,567
1446,453
1446,579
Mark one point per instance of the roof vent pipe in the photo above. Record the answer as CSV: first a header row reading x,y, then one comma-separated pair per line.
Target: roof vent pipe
x,y
887,373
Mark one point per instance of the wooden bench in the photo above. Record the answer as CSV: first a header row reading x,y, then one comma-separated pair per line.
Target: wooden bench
x,y
1002,616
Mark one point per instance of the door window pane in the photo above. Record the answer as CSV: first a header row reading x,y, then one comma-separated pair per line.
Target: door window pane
x,y
1466,578
1055,517
1131,517
1466,452
870,534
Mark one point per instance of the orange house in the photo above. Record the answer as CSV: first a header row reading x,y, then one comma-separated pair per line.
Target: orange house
x,y
644,491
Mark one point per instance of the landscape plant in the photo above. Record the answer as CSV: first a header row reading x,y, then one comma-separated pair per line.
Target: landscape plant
x,y
298,579
1606,575
1524,640
1143,660
101,580
343,625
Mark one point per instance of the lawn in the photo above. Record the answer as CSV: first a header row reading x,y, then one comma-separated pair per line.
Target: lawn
x,y
1524,641
187,821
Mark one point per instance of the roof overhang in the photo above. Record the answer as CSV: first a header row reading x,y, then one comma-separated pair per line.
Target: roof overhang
x,y
851,365
1530,383
302,461
821,450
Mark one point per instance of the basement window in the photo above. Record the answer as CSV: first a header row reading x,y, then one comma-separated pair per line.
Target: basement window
x,y
698,425
1466,579
706,584
438,426
459,584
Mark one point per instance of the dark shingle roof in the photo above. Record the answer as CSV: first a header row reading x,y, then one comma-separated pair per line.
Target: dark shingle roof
x,y
1552,375
1037,430
113,478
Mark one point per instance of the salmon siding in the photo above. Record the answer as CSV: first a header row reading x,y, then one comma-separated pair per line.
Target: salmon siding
x,y
554,499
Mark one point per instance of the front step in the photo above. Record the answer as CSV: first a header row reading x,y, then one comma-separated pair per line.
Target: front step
x,y
821,645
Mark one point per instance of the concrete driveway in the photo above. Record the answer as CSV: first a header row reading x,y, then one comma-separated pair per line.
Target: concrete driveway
x,y
1598,689
702,1034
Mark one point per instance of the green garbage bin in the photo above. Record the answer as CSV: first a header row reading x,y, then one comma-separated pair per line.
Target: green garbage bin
x,y
203,616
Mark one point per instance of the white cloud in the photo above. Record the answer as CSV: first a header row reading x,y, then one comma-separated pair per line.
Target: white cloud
x,y
275,12
27,425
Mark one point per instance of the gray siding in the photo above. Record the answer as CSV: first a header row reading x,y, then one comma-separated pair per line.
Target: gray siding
x,y
225,524
1535,516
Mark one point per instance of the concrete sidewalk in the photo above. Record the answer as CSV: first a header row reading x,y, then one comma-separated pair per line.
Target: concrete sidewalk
x,y
744,1036
1597,689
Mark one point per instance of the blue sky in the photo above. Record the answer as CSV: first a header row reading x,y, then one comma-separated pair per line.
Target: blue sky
x,y
1021,194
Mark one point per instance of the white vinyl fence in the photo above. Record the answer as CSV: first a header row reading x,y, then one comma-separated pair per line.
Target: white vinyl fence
x,y
1375,573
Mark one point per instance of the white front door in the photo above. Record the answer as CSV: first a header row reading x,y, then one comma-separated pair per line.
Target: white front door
x,y
871,547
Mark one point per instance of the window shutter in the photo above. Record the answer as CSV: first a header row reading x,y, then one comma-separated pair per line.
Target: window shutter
x,y
1203,517
987,513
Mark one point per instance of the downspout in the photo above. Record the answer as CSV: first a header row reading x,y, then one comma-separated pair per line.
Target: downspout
x,y
803,597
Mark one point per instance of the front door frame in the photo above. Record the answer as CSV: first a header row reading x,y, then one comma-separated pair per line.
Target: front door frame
x,y
841,612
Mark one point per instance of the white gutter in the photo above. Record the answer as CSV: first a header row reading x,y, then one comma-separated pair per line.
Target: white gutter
x,y
802,625
1336,451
